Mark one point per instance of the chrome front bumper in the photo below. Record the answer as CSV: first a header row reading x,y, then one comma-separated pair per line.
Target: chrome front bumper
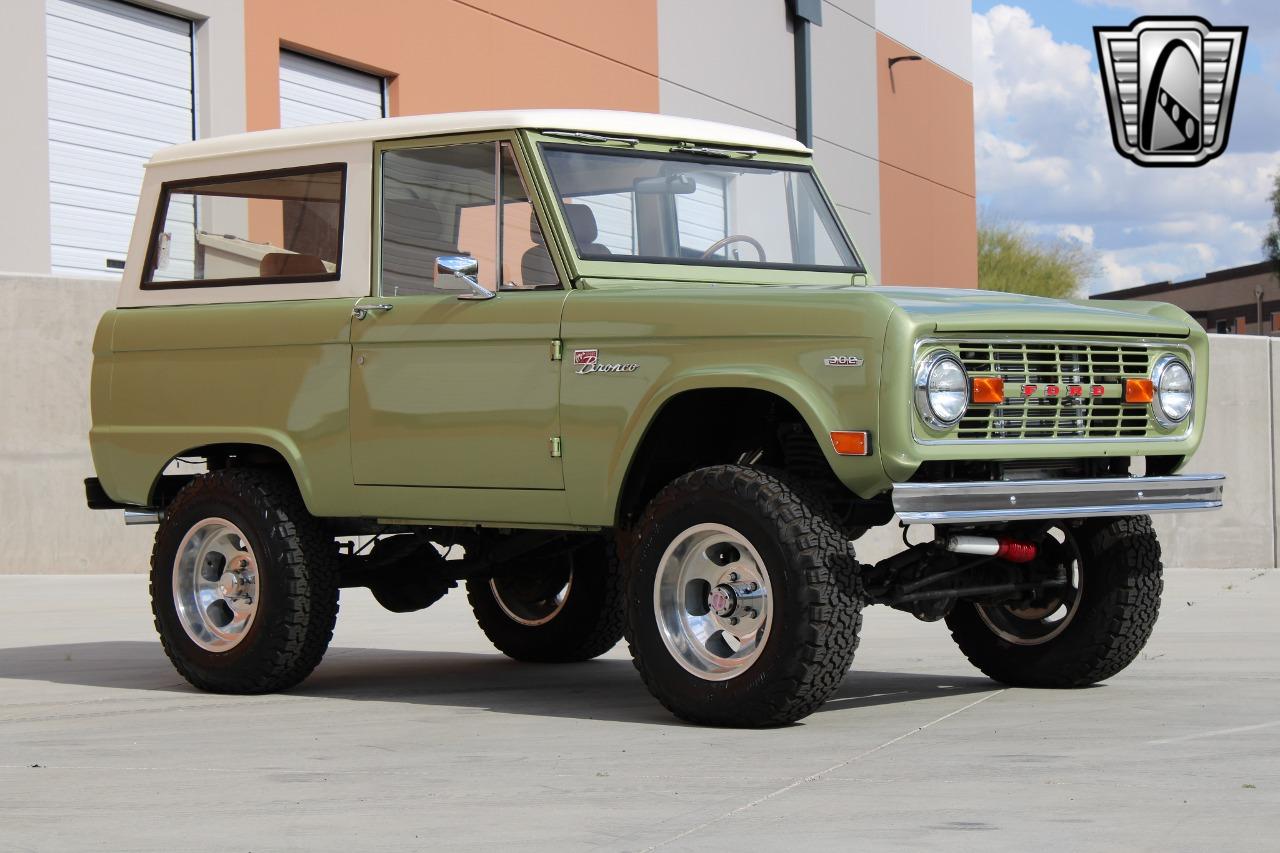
x,y
1023,500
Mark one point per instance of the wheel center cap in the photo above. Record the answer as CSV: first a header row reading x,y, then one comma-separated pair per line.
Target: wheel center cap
x,y
722,601
230,585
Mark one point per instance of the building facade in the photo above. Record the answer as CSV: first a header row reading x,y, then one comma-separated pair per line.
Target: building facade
x,y
1237,301
102,84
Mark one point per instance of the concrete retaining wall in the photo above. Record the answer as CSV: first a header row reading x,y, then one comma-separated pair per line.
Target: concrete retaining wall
x,y
46,330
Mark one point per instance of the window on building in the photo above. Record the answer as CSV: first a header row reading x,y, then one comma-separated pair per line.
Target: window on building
x,y
313,91
439,202
255,229
1222,327
120,89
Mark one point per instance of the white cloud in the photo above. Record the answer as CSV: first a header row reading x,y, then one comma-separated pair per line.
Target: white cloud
x,y
1045,158
1082,234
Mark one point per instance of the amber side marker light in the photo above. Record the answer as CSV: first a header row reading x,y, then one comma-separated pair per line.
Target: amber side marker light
x,y
1139,391
851,443
987,389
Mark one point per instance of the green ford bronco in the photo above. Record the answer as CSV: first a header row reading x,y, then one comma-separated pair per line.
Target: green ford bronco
x,y
622,374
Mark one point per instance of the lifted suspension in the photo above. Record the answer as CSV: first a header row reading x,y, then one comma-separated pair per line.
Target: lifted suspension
x,y
929,578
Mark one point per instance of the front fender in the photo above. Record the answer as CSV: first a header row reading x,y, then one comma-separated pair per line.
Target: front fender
x,y
601,439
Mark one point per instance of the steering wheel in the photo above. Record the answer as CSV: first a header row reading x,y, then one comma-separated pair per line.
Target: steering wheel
x,y
734,238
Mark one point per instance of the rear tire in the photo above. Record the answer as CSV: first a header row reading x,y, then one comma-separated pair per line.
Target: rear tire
x,y
1120,579
562,609
243,583
744,603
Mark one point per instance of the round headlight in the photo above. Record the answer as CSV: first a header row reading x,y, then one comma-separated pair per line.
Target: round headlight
x,y
1175,392
942,390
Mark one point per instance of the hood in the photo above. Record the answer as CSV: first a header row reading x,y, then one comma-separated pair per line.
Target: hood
x,y
954,310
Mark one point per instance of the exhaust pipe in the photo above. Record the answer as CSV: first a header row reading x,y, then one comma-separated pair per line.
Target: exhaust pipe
x,y
1004,548
141,516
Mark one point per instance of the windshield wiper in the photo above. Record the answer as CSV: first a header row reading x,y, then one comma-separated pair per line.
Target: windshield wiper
x,y
690,148
629,141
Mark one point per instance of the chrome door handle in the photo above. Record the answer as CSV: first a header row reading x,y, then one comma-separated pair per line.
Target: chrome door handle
x,y
362,311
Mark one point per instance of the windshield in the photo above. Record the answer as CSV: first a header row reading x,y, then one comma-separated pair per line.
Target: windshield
x,y
643,207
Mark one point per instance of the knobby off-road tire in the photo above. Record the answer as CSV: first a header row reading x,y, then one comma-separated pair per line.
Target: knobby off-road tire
x,y
760,530
294,597
1121,582
561,609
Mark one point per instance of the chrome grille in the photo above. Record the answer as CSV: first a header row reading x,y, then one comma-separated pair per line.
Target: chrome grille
x,y
1062,364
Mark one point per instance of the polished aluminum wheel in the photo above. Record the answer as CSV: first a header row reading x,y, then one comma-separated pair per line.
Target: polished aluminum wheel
x,y
711,599
215,584
532,599
1041,621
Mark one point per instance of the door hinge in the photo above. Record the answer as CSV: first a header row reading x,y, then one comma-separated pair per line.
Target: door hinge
x,y
555,447
557,350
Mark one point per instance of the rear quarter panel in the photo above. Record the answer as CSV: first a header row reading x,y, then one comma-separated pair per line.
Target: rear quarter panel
x,y
175,378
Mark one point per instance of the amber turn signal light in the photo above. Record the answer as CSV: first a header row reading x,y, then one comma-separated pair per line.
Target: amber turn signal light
x,y
1139,391
851,443
987,389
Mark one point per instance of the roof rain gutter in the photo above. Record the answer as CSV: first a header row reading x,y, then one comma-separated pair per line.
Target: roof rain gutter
x,y
804,13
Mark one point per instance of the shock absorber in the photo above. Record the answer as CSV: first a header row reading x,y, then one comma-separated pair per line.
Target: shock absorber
x,y
1001,547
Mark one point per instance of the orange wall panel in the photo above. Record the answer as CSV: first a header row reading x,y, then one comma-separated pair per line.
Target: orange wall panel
x,y
450,55
928,217
925,118
928,232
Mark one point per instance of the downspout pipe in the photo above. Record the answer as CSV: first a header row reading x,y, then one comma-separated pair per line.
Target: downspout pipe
x,y
804,14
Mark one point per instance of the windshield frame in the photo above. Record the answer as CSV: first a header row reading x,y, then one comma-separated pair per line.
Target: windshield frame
x,y
635,266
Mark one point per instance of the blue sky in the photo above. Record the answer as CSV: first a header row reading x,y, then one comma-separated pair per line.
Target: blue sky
x,y
1045,158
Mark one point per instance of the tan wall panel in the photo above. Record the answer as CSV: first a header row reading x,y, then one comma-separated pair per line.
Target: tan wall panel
x,y
928,232
728,54
444,56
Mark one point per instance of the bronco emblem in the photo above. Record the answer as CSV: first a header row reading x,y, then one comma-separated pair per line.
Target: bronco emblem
x,y
588,361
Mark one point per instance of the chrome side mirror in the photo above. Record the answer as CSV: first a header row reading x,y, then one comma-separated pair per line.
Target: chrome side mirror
x,y
449,267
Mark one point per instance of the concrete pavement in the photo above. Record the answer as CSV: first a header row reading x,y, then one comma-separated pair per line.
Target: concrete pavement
x,y
414,734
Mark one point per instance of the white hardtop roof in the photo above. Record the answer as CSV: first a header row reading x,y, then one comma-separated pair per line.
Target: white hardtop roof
x,y
608,122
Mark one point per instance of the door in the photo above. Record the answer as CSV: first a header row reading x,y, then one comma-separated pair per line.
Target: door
x,y
449,392
313,91
120,89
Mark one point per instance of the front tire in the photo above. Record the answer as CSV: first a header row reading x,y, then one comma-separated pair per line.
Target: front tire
x,y
244,583
561,609
1106,618
743,601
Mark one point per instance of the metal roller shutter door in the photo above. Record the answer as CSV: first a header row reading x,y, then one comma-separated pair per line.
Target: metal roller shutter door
x,y
313,91
120,88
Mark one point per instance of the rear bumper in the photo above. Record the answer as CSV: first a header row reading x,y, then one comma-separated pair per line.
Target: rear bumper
x,y
1012,500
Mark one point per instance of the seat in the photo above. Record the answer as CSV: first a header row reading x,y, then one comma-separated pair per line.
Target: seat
x,y
582,222
536,268
276,264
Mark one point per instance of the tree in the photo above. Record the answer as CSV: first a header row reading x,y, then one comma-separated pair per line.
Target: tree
x,y
1011,260
1271,243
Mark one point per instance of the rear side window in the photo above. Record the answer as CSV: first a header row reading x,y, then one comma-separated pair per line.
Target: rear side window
x,y
257,228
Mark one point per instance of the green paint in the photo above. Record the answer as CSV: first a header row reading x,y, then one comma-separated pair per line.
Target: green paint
x,y
444,411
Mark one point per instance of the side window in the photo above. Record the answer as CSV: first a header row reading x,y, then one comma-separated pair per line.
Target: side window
x,y
257,228
439,202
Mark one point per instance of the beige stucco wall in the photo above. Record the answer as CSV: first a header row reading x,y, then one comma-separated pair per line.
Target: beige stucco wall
x,y
734,61
24,145
45,343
